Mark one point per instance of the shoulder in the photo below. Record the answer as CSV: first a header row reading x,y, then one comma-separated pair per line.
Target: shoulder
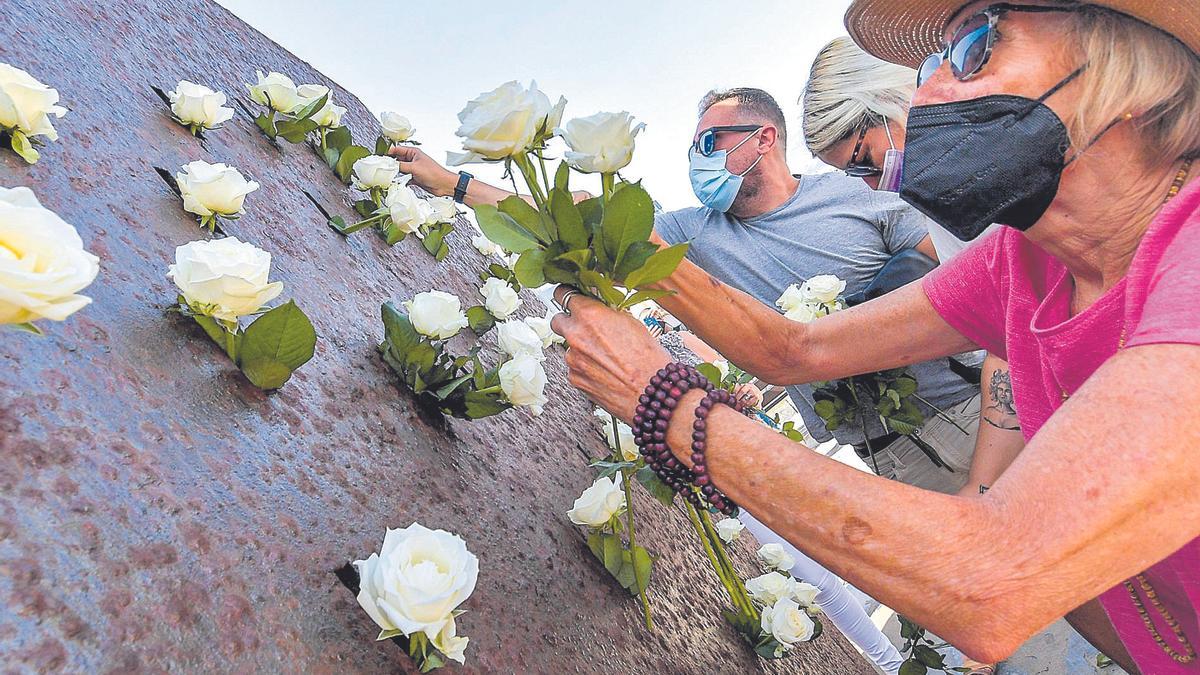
x,y
681,225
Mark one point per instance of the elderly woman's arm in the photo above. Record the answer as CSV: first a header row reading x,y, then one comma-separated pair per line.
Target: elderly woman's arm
x,y
898,329
1082,508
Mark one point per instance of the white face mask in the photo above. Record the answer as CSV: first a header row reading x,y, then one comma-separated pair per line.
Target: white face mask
x,y
893,165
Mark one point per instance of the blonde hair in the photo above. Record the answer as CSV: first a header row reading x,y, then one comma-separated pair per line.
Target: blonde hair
x,y
1136,68
848,89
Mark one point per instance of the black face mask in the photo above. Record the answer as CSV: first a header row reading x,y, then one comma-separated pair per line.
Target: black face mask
x,y
996,159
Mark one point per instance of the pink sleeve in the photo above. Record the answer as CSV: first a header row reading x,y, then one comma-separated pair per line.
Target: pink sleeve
x,y
1172,293
966,293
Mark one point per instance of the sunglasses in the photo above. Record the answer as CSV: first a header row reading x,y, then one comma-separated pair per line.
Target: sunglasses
x,y
971,46
856,170
706,142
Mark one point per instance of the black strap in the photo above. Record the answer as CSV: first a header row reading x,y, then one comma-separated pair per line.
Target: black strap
x,y
460,190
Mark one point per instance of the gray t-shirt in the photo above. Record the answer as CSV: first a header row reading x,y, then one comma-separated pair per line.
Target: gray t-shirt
x,y
834,224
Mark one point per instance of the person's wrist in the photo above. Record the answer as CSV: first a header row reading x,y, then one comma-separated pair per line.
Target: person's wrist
x,y
679,433
444,183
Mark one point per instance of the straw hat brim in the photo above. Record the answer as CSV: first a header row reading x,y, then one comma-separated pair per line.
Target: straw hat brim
x,y
906,31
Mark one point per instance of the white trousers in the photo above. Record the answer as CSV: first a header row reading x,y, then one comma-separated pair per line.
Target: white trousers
x,y
835,600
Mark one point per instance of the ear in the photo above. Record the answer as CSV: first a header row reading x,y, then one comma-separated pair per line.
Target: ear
x,y
767,139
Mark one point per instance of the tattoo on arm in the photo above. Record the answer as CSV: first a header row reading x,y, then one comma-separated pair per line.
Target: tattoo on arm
x,y
1002,412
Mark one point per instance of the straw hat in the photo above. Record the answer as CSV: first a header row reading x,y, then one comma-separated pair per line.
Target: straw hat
x,y
906,31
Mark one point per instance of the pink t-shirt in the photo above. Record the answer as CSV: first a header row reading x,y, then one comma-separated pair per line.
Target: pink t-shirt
x,y
1013,299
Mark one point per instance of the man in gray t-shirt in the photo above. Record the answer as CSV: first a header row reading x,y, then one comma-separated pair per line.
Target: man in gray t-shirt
x,y
763,229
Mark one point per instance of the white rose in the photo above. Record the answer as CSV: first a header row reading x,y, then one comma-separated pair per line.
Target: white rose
x,y
504,122
601,143
787,623
805,594
486,246
499,298
774,557
805,312
224,278
42,261
523,381
599,503
198,106
823,289
26,104
629,449
275,90
408,211
416,581
516,338
449,643
791,298
329,115
729,529
441,210
375,171
213,189
541,326
770,587
436,314
396,127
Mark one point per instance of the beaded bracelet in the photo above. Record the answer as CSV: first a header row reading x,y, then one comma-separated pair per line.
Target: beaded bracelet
x,y
651,420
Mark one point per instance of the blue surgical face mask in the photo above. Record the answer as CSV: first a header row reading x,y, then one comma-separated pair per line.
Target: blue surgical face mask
x,y
714,185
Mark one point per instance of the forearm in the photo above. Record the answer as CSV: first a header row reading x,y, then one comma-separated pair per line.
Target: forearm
x,y
1055,531
1000,439
780,351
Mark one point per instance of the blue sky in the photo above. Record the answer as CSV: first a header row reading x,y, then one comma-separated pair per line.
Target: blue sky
x,y
652,58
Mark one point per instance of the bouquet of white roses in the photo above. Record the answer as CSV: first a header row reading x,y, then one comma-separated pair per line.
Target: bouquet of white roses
x,y
891,393
601,245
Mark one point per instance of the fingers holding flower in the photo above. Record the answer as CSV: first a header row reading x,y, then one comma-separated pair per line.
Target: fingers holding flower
x,y
611,357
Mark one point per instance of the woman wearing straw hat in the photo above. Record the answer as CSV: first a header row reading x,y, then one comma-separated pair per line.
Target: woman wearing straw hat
x,y
1075,125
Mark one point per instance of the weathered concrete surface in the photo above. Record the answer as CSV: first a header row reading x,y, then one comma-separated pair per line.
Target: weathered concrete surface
x,y
159,513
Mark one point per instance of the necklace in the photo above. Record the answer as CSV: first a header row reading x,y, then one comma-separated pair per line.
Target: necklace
x,y
1188,653
1172,192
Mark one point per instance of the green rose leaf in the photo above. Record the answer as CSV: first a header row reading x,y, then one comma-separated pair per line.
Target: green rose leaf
x,y
658,266
636,256
562,176
480,320
266,122
529,268
398,331
711,372
27,327
502,229
480,405
338,138
365,208
928,657
309,110
604,287
642,296
913,667
657,489
275,345
21,145
345,163
571,230
295,131
526,216
382,145
613,560
629,217
642,565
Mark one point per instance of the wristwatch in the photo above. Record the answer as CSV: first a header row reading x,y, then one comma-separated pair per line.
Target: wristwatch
x,y
460,190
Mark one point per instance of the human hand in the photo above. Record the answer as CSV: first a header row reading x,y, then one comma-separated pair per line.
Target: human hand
x,y
425,170
610,354
749,395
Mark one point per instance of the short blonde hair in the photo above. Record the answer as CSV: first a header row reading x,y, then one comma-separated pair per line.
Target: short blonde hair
x,y
848,89
1136,68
